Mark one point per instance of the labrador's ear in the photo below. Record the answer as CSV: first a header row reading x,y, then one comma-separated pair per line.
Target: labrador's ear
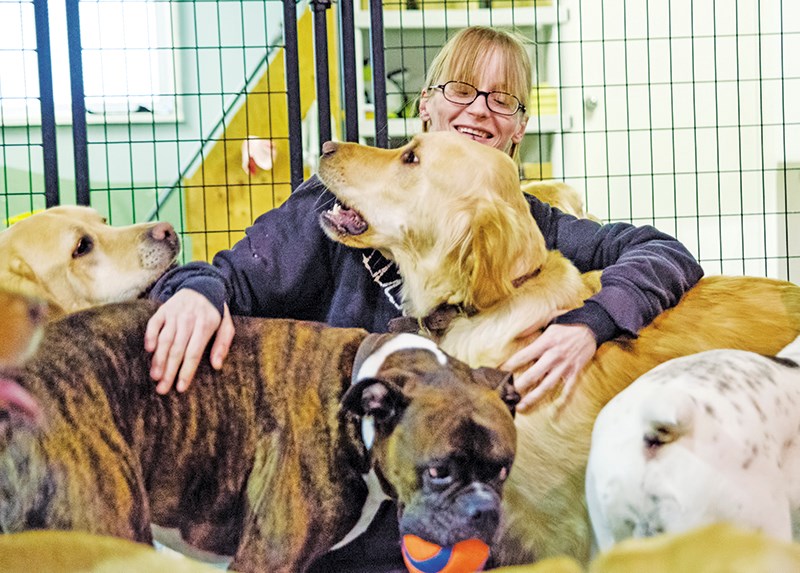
x,y
19,267
18,276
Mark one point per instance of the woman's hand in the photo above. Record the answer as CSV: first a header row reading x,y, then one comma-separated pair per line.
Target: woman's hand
x,y
177,335
558,354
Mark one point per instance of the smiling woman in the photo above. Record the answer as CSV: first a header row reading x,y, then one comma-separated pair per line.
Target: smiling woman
x,y
479,62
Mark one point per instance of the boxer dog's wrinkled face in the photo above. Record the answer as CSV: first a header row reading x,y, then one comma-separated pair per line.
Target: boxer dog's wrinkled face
x,y
444,440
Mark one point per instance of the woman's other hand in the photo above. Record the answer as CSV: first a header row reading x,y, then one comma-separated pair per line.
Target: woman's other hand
x,y
178,334
557,356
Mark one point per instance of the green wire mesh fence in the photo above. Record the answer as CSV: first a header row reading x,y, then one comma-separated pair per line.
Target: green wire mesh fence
x,y
679,114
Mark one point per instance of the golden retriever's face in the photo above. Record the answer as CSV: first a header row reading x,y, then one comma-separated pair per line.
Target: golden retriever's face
x,y
393,196
449,211
72,259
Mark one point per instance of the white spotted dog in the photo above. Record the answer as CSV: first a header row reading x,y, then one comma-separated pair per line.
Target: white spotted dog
x,y
710,437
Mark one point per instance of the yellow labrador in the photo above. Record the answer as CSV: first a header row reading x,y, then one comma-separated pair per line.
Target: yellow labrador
x,y
450,213
69,257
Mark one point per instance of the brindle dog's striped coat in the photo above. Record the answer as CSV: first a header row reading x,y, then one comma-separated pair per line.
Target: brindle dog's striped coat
x,y
257,460
109,437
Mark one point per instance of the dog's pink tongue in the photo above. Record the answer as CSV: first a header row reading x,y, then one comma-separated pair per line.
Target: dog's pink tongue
x,y
347,220
14,397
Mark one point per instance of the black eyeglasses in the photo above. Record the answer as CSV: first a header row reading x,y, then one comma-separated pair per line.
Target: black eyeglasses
x,y
462,93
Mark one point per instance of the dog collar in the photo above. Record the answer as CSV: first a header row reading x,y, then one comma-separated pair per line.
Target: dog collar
x,y
521,280
437,322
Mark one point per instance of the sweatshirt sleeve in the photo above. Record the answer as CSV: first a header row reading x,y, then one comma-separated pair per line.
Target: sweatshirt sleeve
x,y
645,271
280,268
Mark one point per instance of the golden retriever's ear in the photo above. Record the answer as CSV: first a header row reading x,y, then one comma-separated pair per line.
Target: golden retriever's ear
x,y
506,245
492,257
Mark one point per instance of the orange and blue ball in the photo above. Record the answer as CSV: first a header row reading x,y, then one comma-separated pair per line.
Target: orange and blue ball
x,y
424,557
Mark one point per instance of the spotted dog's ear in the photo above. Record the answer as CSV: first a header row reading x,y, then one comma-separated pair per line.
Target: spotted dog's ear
x,y
382,400
503,382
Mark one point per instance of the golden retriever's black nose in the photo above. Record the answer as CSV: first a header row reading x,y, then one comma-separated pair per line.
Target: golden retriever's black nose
x,y
329,147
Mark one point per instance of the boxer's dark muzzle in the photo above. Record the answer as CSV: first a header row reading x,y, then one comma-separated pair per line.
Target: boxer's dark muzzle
x,y
473,512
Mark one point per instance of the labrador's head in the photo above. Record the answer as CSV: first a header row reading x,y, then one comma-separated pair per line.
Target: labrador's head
x,y
70,257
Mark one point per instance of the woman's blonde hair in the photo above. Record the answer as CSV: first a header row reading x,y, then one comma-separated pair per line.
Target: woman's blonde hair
x,y
463,56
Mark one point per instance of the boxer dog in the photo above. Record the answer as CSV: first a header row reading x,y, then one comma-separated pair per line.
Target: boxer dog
x,y
263,460
705,438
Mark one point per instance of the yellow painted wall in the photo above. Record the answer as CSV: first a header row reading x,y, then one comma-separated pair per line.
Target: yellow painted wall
x,y
221,199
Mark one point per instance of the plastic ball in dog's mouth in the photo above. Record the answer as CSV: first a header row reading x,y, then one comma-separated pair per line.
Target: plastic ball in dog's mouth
x,y
424,557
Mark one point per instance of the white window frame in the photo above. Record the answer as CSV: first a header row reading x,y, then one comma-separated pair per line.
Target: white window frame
x,y
130,71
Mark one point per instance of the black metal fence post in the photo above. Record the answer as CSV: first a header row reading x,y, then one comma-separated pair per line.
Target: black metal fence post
x,y
293,92
347,44
47,106
378,73
79,138
320,8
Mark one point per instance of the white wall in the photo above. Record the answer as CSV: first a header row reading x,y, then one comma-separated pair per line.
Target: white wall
x,y
695,115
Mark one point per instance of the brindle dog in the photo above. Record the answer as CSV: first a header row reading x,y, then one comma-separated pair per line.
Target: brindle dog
x,y
264,459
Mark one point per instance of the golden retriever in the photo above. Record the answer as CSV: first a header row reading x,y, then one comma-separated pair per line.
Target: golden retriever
x,y
450,213
69,257
559,195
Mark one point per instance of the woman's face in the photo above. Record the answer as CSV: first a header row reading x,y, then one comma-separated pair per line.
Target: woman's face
x,y
475,120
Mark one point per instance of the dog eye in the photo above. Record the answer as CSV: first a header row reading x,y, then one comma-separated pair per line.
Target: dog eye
x,y
439,474
491,472
84,247
410,157
502,475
